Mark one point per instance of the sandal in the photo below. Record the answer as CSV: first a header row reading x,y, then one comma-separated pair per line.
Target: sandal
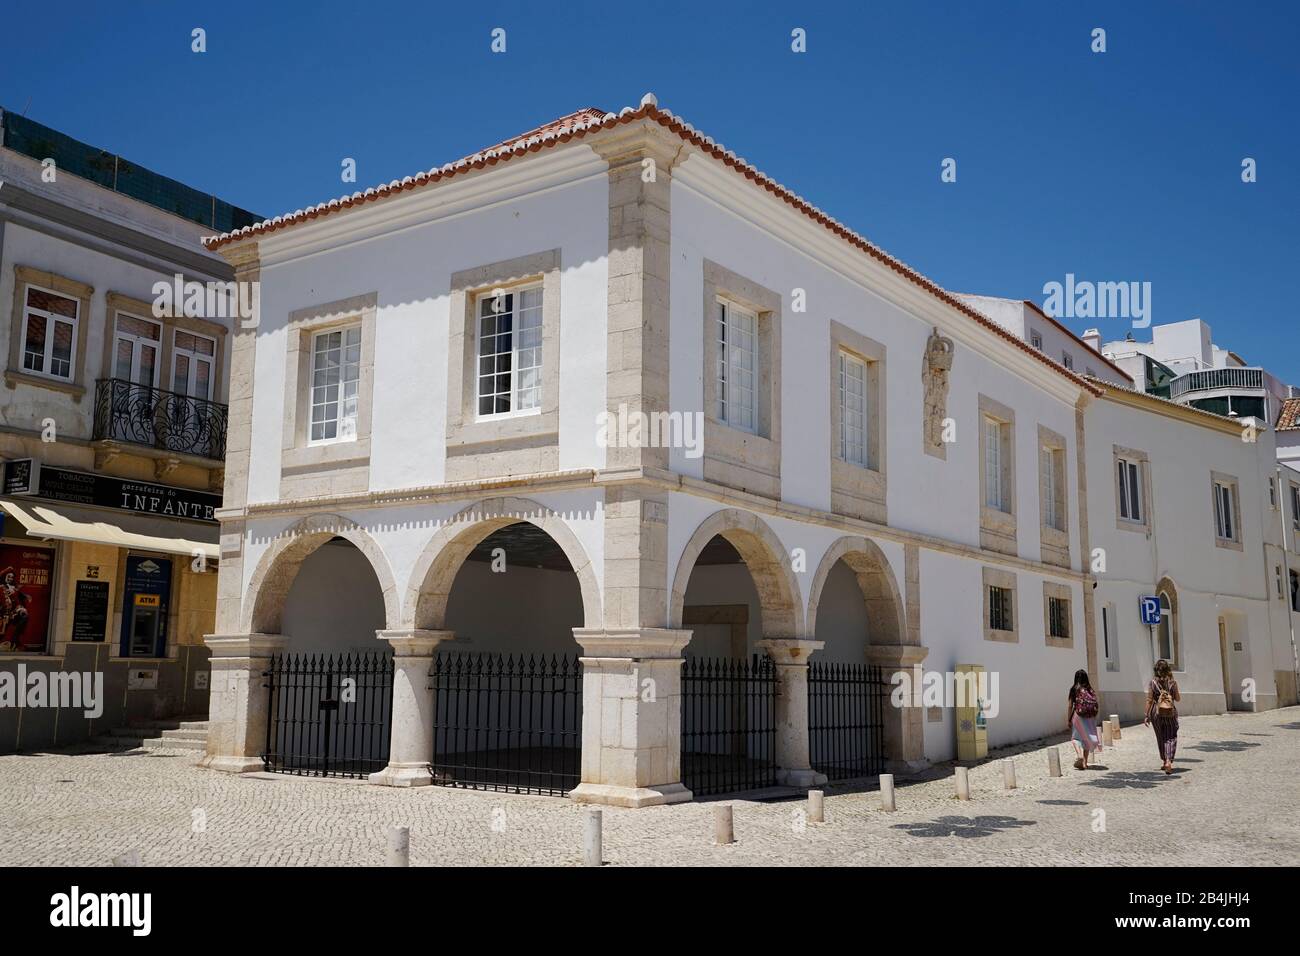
x,y
1078,764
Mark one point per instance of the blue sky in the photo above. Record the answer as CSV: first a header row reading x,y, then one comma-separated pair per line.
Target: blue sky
x,y
1120,166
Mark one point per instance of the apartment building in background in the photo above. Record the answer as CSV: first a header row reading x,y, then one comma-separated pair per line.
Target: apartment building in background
x,y
112,431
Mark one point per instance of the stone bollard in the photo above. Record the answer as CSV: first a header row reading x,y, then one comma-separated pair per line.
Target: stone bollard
x,y
129,858
1114,727
399,846
1009,774
887,792
963,783
592,849
816,806
723,830
1053,762
1107,738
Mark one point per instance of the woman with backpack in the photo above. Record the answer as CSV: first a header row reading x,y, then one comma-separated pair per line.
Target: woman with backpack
x,y
1162,713
1082,718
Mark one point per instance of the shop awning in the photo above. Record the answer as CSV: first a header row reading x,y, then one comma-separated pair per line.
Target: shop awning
x,y
45,522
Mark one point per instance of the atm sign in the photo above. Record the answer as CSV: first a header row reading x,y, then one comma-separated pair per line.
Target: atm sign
x,y
148,600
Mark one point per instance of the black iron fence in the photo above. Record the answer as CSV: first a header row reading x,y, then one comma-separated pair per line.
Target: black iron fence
x,y
330,713
846,706
507,723
728,724
142,415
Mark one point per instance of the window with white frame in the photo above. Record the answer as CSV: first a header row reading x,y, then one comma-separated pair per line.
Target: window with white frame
x,y
1225,515
335,382
1295,507
50,325
853,410
1109,637
1167,632
510,351
737,354
997,477
1067,360
1035,339
1129,476
1053,466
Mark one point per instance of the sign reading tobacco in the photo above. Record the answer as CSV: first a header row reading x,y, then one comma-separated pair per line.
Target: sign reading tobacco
x,y
26,477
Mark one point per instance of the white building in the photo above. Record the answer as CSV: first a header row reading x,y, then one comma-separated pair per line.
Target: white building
x,y
429,439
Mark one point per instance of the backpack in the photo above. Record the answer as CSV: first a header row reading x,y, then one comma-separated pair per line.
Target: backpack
x,y
1165,701
1085,703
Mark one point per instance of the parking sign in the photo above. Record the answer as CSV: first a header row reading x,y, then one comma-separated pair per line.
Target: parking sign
x,y
1149,608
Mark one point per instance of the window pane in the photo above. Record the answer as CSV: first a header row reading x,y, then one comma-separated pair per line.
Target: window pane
x,y
125,357
34,353
49,302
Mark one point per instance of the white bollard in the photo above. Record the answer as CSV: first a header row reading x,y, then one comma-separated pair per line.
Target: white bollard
x,y
816,806
963,783
723,830
1009,774
1114,727
129,858
592,848
887,792
1053,762
399,846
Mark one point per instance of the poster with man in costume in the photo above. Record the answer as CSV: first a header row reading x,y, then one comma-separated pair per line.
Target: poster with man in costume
x,y
24,597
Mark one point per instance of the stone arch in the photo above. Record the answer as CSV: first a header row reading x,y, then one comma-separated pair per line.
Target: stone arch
x,y
875,579
769,567
435,572
275,572
1166,588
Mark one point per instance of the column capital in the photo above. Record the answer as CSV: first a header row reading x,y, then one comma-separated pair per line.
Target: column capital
x,y
790,651
244,645
896,655
414,641
631,642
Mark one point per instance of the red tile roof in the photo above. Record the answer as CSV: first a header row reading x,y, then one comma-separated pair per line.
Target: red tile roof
x,y
1289,416
587,121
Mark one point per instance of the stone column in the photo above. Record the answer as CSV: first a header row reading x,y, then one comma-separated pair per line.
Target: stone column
x,y
410,746
238,705
631,716
794,767
904,726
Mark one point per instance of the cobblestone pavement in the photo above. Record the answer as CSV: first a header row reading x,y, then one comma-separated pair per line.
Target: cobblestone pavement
x,y
1233,802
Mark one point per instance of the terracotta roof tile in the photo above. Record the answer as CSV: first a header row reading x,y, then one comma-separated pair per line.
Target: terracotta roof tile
x,y
1289,417
587,121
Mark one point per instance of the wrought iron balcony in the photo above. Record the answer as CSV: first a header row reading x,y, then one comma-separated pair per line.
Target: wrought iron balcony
x,y
167,421
1212,378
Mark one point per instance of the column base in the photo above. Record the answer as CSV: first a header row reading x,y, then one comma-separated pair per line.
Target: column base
x,y
228,764
800,778
613,796
402,775
904,767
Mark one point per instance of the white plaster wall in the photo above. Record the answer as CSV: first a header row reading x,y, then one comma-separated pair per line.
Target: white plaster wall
x,y
335,605
924,494
411,270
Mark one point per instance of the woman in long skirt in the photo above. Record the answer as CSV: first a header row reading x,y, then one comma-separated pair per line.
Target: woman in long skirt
x,y
1082,718
1162,713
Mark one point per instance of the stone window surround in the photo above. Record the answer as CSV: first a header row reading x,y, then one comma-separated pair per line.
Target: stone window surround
x,y
1235,542
1148,502
999,578
1052,589
1166,587
1110,636
857,491
297,452
998,528
1054,542
119,303
739,459
464,427
15,373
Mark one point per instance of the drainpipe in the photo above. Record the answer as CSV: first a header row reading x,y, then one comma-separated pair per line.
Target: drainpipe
x,y
1286,571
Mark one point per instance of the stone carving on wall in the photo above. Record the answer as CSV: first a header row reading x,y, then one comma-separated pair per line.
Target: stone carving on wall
x,y
934,375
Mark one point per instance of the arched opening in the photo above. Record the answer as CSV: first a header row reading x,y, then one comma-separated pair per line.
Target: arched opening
x,y
734,588
854,605
1168,633
507,687
334,604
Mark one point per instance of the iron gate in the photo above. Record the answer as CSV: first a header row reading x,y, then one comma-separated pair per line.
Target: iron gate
x,y
846,705
728,724
330,714
506,723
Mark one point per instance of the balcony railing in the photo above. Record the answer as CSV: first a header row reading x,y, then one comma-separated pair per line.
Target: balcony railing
x,y
168,421
1216,378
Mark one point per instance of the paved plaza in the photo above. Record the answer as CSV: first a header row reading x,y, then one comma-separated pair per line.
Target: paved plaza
x,y
1235,801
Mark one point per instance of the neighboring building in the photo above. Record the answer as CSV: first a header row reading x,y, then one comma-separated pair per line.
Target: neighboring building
x,y
113,430
435,439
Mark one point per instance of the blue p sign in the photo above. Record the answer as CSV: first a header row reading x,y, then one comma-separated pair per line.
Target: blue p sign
x,y
1149,608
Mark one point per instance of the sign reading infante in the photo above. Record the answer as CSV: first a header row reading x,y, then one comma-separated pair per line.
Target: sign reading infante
x,y
25,477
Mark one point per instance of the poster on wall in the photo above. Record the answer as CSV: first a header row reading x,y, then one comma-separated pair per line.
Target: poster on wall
x,y
25,575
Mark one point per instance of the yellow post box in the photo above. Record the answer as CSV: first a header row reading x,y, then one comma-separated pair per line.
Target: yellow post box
x,y
972,733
